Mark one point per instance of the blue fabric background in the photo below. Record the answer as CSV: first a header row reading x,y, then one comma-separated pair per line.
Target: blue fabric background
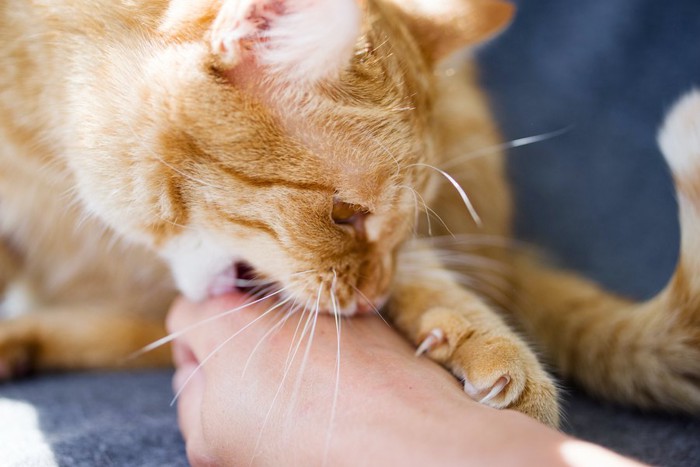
x,y
599,198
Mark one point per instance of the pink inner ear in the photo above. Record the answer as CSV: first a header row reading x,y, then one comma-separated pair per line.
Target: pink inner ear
x,y
242,24
262,14
298,40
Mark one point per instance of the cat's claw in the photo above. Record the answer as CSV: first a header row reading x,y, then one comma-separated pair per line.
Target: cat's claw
x,y
434,338
482,396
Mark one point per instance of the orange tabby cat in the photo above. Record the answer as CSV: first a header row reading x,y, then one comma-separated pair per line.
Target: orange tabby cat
x,y
291,141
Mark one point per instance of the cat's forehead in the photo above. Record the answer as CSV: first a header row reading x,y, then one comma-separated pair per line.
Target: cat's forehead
x,y
361,149
356,146
360,157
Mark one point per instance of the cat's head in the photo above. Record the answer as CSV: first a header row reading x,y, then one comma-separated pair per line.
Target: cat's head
x,y
282,141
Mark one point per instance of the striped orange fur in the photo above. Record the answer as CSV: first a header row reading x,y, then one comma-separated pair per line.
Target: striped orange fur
x,y
154,146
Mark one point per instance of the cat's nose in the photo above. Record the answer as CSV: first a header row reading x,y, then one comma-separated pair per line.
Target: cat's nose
x,y
351,214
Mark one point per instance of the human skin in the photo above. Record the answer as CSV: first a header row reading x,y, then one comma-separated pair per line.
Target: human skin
x,y
391,407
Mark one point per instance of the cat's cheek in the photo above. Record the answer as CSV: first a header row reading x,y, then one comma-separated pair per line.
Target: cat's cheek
x,y
195,261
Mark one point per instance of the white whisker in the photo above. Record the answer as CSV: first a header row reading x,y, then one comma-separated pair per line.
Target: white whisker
x,y
171,337
281,385
221,346
307,351
371,304
290,358
274,328
516,143
336,315
416,208
473,240
460,190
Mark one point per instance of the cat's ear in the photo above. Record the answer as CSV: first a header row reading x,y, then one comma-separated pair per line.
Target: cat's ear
x,y
300,40
445,26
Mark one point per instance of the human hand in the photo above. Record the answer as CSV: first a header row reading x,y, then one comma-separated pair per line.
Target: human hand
x,y
246,405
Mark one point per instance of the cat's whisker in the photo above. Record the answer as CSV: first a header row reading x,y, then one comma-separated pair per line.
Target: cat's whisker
x,y
295,274
497,148
336,391
369,302
416,195
223,344
171,337
432,212
477,240
475,261
416,210
387,152
458,187
285,374
421,251
292,310
494,282
427,209
307,351
476,284
296,333
482,265
245,283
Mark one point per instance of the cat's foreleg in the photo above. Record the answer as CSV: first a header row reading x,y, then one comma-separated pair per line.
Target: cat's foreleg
x,y
458,330
79,338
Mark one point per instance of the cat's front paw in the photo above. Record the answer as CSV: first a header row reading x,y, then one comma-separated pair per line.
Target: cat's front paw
x,y
497,369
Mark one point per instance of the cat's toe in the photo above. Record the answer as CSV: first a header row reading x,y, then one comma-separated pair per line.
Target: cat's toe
x,y
434,338
487,394
497,369
500,373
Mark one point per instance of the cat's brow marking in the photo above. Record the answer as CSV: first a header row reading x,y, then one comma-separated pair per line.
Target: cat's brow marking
x,y
247,222
275,182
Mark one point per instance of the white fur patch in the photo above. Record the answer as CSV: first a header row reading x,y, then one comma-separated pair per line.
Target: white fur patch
x,y
299,40
195,260
680,136
23,442
680,142
18,300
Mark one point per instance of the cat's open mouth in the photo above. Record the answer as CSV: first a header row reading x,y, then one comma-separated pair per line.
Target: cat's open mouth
x,y
243,278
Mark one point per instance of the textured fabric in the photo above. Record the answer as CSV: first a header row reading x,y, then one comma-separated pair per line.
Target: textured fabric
x,y
111,419
599,198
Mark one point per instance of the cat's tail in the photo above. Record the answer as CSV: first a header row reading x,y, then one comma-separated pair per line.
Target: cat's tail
x,y
647,354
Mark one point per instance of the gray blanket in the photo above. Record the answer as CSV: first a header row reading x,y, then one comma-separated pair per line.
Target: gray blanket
x,y
599,198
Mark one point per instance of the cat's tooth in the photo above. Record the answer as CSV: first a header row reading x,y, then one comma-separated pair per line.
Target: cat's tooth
x,y
432,340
